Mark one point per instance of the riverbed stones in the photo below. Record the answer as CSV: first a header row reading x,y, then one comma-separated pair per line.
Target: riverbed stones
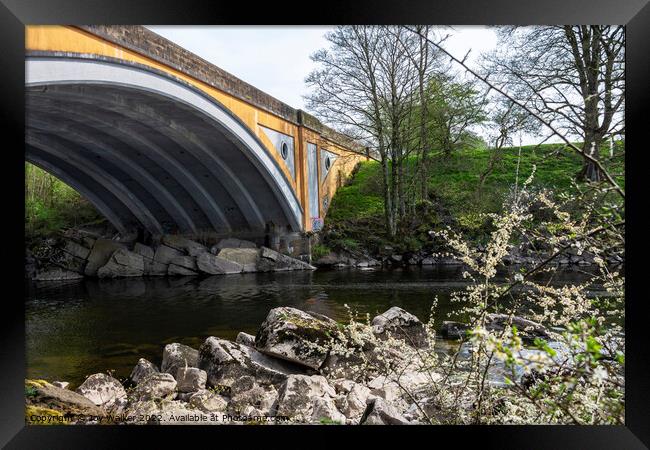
x,y
182,265
191,379
40,393
216,265
402,325
177,355
296,336
100,254
103,390
155,385
354,403
380,412
142,369
528,330
245,339
208,401
246,257
298,398
233,243
122,263
247,393
226,362
57,274
184,245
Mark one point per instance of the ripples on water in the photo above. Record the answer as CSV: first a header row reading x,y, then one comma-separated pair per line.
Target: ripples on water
x,y
78,328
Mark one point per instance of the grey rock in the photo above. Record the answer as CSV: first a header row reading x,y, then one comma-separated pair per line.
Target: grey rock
x,y
187,262
262,398
234,243
61,384
57,274
226,362
75,249
100,254
190,379
401,325
245,339
353,405
147,254
290,333
68,402
184,245
176,270
177,355
241,256
380,412
103,390
142,369
122,263
298,393
216,265
324,411
155,385
208,401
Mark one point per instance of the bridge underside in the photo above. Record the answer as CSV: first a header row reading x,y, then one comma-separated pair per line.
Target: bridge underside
x,y
147,160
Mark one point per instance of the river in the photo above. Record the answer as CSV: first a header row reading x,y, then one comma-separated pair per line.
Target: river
x,y
79,328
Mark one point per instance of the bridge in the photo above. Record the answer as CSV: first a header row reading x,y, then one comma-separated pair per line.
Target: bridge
x,y
161,140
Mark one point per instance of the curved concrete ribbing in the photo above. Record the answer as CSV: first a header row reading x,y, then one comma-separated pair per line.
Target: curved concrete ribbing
x,y
48,144
45,71
49,120
194,196
117,214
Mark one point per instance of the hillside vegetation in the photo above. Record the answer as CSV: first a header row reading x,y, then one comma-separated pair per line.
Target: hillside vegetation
x,y
457,196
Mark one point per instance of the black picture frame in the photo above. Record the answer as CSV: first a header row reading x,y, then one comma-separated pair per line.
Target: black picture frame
x,y
635,14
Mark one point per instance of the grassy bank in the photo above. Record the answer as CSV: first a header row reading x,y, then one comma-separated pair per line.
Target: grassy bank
x,y
457,195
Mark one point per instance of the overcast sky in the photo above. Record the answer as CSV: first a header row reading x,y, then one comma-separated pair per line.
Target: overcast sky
x,y
276,60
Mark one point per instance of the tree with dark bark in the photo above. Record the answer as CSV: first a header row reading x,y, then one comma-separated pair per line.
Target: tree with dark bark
x,y
571,76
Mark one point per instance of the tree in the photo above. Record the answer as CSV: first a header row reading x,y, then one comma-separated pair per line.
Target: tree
x,y
571,76
456,106
368,83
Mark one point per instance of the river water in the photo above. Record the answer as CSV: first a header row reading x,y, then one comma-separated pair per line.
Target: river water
x,y
75,329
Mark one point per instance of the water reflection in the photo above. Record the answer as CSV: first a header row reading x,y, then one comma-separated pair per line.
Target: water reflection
x,y
78,328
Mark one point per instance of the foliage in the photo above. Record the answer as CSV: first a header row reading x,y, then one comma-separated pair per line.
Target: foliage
x,y
51,205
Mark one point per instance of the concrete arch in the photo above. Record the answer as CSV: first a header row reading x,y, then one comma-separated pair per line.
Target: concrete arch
x,y
224,146
119,218
150,184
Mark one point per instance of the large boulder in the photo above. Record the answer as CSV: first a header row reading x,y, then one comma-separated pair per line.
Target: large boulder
x,y
103,390
297,336
41,394
380,412
402,325
248,393
246,257
184,245
122,263
216,265
99,255
156,385
182,265
142,369
270,260
226,362
527,329
232,243
208,401
177,355
303,398
353,403
245,339
161,259
147,254
191,379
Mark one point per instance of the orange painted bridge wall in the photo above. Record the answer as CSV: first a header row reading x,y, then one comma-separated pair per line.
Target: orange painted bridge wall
x,y
70,39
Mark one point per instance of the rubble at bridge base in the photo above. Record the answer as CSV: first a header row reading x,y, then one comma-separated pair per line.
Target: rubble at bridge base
x,y
78,255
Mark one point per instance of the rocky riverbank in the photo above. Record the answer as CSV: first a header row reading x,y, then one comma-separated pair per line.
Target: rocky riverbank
x,y
77,254
521,255
300,368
